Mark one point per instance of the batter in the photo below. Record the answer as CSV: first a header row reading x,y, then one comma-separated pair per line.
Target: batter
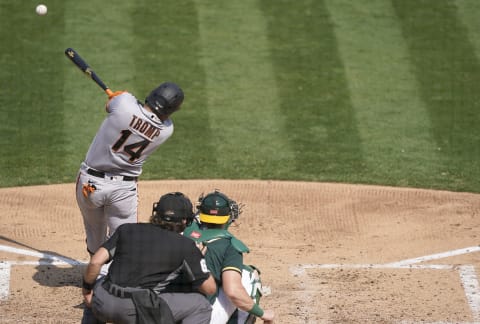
x,y
106,188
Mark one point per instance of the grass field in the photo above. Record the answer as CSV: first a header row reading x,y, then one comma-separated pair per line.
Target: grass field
x,y
368,91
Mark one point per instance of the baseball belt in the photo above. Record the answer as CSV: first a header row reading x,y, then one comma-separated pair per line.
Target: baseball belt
x,y
101,174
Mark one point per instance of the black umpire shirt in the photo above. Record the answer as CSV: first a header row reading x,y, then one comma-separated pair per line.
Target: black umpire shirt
x,y
147,256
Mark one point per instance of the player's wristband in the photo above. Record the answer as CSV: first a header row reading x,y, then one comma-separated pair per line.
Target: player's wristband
x,y
256,310
86,285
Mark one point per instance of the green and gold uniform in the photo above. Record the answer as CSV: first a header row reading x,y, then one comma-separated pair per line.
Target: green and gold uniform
x,y
224,251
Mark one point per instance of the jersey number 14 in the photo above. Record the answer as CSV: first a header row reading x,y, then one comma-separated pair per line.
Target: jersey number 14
x,y
134,150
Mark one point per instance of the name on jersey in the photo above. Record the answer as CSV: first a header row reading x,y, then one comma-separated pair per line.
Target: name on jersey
x,y
144,127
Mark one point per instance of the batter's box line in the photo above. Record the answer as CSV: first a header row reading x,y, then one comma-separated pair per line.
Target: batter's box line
x,y
44,259
467,275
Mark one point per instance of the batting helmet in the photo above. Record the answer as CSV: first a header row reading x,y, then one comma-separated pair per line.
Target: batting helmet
x,y
217,208
173,207
165,99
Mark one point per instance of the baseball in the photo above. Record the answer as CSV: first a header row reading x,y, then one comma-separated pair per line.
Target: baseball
x,y
41,9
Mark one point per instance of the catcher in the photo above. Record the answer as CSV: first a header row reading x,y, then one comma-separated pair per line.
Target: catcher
x,y
239,287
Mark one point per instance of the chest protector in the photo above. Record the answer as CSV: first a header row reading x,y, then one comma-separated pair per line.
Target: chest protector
x,y
210,235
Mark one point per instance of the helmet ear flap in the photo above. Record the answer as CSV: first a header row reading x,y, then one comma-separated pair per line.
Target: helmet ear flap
x,y
159,106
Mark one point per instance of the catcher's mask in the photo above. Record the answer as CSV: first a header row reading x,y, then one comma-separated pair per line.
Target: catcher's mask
x,y
173,207
165,99
217,208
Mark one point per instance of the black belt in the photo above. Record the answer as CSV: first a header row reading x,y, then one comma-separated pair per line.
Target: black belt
x,y
101,174
119,291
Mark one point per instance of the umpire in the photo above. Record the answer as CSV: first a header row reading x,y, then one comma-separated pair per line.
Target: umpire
x,y
156,275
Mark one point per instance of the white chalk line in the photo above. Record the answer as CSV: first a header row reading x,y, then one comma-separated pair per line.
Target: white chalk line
x,y
471,287
4,280
300,269
41,255
44,259
437,256
467,273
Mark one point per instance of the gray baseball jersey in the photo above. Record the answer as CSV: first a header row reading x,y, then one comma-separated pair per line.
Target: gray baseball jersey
x,y
126,138
106,189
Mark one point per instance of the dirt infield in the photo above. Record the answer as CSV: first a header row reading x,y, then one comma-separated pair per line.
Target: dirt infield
x,y
331,253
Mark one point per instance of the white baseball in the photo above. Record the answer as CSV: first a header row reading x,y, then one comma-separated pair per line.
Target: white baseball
x,y
41,9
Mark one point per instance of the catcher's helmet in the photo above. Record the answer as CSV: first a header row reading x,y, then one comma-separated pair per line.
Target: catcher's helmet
x,y
165,99
173,207
217,208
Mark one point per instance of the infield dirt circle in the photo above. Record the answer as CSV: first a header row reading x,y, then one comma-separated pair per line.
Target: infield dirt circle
x,y
330,253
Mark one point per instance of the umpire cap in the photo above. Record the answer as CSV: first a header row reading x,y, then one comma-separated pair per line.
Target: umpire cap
x,y
173,207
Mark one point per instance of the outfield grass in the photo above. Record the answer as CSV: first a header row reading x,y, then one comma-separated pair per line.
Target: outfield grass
x,y
377,92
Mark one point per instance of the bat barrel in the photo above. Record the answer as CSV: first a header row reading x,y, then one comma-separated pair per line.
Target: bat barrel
x,y
83,66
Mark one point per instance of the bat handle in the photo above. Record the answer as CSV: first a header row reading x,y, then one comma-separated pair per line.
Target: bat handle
x,y
108,92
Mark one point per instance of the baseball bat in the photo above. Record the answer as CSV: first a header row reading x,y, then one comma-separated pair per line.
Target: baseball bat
x,y
83,66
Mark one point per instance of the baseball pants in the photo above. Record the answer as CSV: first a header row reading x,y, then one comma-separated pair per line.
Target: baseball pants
x,y
190,308
112,202
223,308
